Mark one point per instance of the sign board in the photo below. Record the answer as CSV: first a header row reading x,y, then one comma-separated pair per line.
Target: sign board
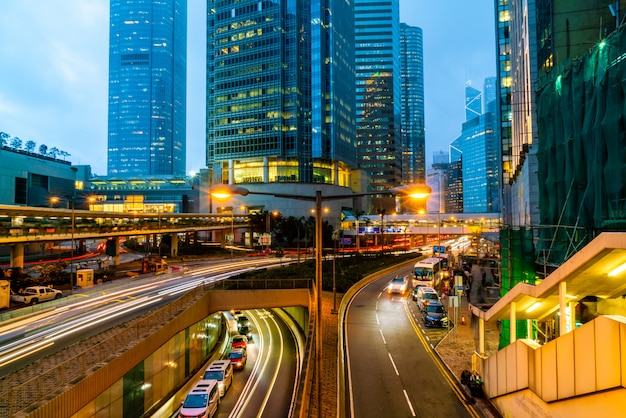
x,y
453,301
345,241
265,239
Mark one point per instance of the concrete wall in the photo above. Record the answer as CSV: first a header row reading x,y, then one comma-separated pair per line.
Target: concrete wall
x,y
573,375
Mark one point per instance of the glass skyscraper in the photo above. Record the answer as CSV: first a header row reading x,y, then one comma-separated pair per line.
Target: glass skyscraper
x,y
413,131
147,88
280,91
378,91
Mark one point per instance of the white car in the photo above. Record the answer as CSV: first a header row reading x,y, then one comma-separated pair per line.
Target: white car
x,y
201,401
398,285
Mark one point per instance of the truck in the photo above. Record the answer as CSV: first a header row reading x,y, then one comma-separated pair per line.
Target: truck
x,y
35,294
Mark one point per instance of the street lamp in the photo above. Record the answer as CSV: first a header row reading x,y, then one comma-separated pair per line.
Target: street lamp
x,y
225,191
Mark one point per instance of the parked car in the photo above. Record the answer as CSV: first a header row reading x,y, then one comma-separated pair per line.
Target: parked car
x,y
425,295
238,358
415,289
239,341
35,294
434,315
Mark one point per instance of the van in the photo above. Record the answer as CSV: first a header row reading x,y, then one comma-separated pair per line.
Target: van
x,y
201,401
222,371
424,295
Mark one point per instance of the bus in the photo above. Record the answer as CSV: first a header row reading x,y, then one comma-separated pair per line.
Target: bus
x,y
428,272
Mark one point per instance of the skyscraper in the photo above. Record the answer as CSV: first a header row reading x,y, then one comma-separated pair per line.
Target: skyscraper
x,y
378,91
478,150
413,132
147,88
280,92
473,102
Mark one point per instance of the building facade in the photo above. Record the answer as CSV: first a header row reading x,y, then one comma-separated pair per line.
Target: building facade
x,y
473,102
147,88
378,91
280,92
477,148
413,124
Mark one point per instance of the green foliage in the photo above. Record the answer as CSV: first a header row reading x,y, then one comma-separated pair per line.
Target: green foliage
x,y
348,270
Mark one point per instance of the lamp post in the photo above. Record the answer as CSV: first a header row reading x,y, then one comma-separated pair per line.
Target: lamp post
x,y
225,191
232,232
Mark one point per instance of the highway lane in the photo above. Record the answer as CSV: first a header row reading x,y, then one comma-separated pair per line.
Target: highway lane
x,y
34,336
392,369
266,385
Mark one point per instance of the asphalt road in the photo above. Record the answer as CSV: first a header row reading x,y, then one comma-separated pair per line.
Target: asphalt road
x,y
392,369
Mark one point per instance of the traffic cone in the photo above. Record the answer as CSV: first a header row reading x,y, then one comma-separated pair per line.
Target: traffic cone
x,y
462,319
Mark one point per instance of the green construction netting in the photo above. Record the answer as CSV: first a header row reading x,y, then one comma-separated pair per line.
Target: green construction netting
x,y
518,265
581,150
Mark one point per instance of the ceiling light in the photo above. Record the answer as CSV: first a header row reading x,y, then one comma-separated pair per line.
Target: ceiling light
x,y
533,307
617,270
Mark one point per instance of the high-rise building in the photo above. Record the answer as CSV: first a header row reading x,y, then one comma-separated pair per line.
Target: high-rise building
x,y
413,131
280,92
378,91
489,94
147,88
473,102
477,148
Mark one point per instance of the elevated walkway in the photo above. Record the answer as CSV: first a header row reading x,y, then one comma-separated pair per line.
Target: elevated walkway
x,y
579,372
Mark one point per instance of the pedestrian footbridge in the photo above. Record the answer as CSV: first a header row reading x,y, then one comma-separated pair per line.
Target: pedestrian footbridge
x,y
582,370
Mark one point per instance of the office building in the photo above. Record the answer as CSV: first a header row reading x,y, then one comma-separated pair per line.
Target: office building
x,y
477,150
147,88
280,96
378,91
413,129
473,102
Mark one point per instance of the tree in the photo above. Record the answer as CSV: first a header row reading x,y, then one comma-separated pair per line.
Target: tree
x,y
16,143
30,146
54,151
64,154
4,138
43,149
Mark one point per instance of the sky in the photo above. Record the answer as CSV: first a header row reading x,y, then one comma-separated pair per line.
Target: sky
x,y
54,72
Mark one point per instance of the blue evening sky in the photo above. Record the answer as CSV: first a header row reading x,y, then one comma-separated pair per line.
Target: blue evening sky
x,y
54,72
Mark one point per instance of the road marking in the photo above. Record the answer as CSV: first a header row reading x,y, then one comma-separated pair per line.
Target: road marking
x,y
382,336
393,364
408,401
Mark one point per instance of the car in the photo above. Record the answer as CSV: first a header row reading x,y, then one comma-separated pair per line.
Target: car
x,y
238,358
425,293
247,331
201,401
415,290
434,315
239,341
35,294
398,284
222,372
242,321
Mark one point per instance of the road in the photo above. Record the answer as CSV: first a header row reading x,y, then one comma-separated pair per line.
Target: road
x,y
51,326
392,368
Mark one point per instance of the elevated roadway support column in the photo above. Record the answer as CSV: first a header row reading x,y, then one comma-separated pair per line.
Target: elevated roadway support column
x,y
481,337
174,246
512,319
17,255
562,308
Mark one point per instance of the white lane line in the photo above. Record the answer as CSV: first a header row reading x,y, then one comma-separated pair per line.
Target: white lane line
x,y
377,319
408,401
393,364
382,336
